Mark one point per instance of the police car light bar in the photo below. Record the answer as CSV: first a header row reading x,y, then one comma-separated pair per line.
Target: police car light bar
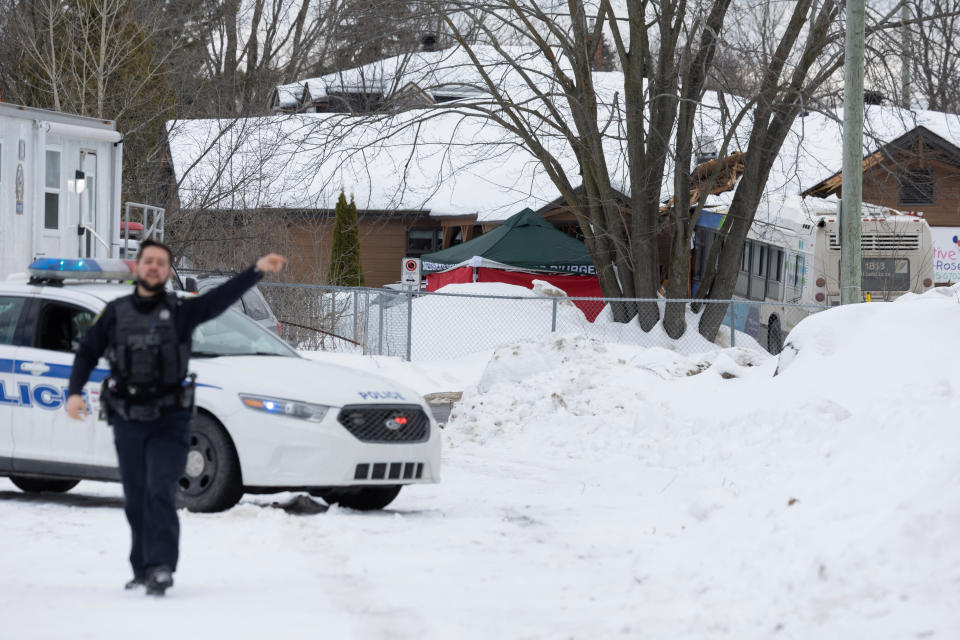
x,y
81,269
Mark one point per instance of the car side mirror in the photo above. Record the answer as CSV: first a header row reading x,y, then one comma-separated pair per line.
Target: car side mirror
x,y
190,284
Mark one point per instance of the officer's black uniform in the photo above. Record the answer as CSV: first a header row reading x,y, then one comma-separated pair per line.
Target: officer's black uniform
x,y
147,341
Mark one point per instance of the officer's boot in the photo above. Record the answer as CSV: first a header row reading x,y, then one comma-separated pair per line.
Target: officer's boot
x,y
136,583
159,579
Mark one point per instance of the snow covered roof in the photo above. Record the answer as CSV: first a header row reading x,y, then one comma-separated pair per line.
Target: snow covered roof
x,y
303,161
287,96
444,74
316,87
447,163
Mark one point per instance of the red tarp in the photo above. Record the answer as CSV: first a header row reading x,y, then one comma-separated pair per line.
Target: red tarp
x,y
460,275
575,286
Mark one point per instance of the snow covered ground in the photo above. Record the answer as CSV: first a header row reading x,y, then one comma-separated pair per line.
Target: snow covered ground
x,y
590,490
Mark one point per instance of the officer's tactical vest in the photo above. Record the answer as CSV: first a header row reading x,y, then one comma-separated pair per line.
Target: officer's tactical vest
x,y
146,358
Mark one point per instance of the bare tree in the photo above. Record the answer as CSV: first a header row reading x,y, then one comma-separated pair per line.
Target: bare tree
x,y
918,63
545,93
236,52
96,58
639,137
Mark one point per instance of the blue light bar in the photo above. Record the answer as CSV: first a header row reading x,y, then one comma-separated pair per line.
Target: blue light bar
x,y
82,269
64,264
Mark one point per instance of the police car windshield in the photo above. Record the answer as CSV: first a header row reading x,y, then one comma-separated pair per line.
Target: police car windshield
x,y
233,334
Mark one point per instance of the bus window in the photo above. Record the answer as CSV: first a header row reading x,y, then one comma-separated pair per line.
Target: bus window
x,y
758,271
774,266
798,278
743,278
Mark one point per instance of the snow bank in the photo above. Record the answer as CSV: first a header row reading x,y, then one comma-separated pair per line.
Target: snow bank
x,y
819,502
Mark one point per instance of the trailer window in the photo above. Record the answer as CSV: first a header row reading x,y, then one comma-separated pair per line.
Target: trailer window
x,y
51,196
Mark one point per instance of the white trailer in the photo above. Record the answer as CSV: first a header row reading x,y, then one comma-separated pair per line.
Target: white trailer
x,y
59,187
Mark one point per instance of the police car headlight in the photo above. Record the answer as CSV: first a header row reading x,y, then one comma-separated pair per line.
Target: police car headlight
x,y
291,408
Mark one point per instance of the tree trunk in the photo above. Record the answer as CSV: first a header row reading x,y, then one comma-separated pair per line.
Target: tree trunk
x,y
230,8
674,321
774,115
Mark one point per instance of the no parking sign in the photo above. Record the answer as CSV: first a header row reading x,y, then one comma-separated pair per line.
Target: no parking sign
x,y
410,272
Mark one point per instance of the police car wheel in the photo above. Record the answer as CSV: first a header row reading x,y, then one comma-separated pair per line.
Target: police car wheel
x,y
211,480
36,485
361,498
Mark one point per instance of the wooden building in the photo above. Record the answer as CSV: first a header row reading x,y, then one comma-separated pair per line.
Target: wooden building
x,y
919,172
385,239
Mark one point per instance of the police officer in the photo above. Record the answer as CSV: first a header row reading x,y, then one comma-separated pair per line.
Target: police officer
x,y
148,399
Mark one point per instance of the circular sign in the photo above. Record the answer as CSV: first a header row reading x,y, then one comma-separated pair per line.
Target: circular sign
x,y
410,265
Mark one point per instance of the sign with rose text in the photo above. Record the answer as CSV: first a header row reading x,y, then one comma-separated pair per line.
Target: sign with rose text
x,y
946,254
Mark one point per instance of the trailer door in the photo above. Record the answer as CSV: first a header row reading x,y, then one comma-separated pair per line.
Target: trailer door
x,y
90,214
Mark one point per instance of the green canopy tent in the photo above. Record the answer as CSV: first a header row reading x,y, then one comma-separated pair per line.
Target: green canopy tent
x,y
523,249
523,241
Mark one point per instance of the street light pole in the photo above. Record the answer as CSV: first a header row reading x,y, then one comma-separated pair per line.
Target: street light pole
x,y
852,182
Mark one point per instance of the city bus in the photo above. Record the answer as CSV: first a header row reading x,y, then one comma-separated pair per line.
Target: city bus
x,y
789,265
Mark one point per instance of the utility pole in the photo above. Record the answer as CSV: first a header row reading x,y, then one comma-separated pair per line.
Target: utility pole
x,y
905,57
852,181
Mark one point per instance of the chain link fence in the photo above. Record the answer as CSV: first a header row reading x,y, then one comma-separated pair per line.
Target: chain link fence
x,y
416,325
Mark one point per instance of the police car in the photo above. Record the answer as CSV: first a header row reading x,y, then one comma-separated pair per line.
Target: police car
x,y
267,419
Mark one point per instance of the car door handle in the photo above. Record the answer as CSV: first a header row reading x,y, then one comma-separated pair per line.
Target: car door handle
x,y
36,368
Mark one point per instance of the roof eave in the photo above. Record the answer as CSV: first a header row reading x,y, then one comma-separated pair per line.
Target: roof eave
x,y
832,185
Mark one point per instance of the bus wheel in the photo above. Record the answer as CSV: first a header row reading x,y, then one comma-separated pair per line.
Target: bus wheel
x,y
774,336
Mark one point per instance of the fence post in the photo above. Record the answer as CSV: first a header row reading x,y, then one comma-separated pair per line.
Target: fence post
x,y
733,327
356,319
366,319
380,330
409,324
553,322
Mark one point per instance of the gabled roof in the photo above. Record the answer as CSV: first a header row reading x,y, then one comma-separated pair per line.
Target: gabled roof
x,y
622,199
411,94
286,96
909,143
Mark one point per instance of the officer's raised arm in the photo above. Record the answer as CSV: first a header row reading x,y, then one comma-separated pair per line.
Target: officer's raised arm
x,y
271,262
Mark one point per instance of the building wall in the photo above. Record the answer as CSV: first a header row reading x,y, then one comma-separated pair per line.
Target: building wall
x,y
383,243
881,187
